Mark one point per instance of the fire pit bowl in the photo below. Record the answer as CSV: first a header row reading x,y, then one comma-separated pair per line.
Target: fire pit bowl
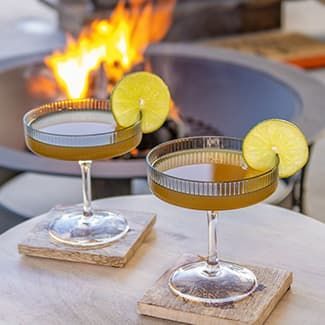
x,y
224,89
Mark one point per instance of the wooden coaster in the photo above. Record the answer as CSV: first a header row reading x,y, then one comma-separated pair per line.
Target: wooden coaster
x,y
160,302
39,244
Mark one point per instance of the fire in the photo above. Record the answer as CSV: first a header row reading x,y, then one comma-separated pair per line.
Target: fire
x,y
41,86
117,43
174,112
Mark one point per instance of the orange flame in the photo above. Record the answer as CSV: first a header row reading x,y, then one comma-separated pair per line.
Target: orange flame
x,y
118,43
40,86
174,111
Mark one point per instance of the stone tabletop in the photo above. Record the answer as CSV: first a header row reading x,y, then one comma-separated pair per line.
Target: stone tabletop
x,y
39,291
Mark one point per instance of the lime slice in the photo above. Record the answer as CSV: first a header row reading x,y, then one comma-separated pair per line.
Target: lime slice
x,y
276,137
141,94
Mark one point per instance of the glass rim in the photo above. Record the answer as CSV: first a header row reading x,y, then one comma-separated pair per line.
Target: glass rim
x,y
65,102
248,179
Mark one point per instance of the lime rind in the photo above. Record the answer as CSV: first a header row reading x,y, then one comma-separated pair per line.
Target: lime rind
x,y
276,137
141,94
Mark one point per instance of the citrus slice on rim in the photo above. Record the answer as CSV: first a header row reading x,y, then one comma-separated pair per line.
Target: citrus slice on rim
x,y
276,137
141,94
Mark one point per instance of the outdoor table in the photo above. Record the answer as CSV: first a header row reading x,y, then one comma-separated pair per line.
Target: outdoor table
x,y
40,291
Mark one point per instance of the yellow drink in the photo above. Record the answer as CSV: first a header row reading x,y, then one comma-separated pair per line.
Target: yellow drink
x,y
209,165
88,126
81,130
209,173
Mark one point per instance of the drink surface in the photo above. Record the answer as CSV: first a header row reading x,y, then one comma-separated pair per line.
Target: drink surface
x,y
213,172
209,165
80,135
78,128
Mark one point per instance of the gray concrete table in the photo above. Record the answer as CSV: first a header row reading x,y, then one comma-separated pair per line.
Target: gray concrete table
x,y
38,291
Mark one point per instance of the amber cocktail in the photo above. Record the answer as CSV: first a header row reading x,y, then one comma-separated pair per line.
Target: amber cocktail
x,y
81,130
209,173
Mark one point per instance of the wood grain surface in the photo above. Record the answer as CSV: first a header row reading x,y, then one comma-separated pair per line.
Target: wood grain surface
x,y
160,302
42,291
293,48
39,244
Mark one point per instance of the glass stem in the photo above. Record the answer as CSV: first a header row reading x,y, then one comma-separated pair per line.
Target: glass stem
x,y
85,166
213,260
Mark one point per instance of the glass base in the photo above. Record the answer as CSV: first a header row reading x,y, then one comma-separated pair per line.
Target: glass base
x,y
197,282
72,228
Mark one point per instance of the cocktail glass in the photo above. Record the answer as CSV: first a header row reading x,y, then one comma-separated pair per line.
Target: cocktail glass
x,y
81,130
209,173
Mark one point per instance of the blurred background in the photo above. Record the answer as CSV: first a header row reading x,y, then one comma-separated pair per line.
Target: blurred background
x,y
229,64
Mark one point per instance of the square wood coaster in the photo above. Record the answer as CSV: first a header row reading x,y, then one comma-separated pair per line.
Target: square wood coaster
x,y
160,302
39,244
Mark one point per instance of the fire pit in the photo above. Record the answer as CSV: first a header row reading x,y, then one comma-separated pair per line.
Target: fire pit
x,y
223,90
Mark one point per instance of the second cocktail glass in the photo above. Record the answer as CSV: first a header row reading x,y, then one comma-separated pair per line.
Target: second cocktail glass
x,y
209,173
81,130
